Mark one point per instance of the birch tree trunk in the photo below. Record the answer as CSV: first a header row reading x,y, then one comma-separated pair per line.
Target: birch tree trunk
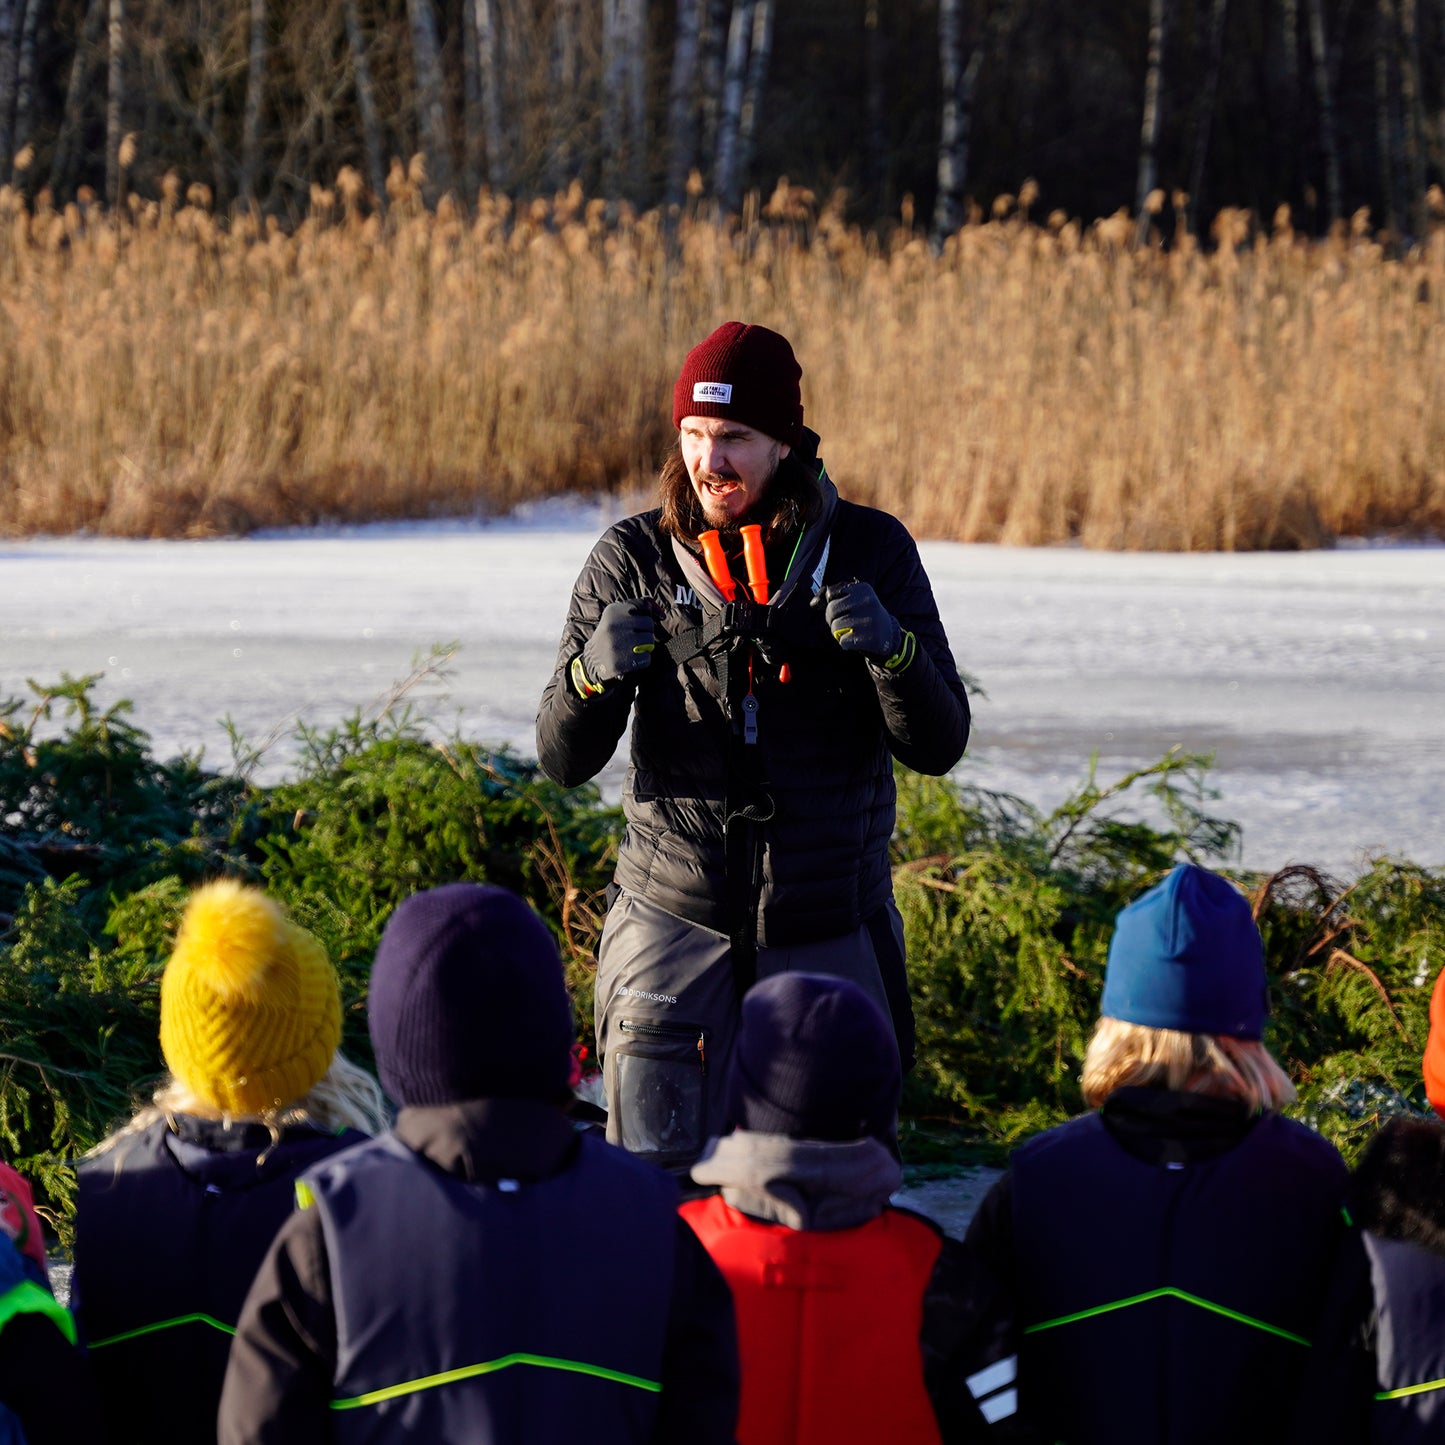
x,y
1437,139
725,170
152,25
681,110
959,78
711,51
1153,108
1411,100
72,116
25,83
255,87
490,76
512,46
1384,127
114,100
471,101
878,170
10,22
1285,77
612,87
1289,43
760,54
635,69
952,138
430,110
366,103
1320,58
567,68
1208,99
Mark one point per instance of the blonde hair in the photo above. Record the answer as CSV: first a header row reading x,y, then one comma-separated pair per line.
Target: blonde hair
x,y
1122,1054
345,1097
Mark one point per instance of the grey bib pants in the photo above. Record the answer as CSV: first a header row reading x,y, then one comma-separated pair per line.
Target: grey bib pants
x,y
667,1016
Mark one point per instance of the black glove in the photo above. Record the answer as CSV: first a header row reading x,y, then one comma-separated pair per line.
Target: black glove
x,y
622,643
858,621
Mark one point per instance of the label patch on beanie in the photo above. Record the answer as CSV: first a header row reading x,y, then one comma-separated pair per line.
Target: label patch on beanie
x,y
717,392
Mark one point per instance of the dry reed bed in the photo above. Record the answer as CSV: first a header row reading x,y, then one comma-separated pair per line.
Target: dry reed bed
x,y
170,372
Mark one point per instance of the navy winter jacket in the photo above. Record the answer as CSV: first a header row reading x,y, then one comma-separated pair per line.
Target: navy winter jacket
x,y
485,1273
170,1227
1151,1274
1170,1304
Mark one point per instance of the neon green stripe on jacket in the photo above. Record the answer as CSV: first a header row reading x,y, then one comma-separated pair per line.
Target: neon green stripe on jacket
x,y
1406,1390
29,1298
135,1334
488,1367
1169,1292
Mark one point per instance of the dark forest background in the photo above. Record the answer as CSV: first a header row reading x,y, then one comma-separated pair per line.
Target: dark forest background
x,y
1327,105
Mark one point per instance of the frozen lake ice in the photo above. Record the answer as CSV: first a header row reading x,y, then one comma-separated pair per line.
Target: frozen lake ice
x,y
1317,679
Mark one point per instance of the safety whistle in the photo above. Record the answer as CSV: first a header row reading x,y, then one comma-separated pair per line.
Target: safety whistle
x,y
755,561
717,564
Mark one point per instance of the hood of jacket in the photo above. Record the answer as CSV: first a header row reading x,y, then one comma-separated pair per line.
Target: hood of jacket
x,y
801,1183
1398,1190
483,1140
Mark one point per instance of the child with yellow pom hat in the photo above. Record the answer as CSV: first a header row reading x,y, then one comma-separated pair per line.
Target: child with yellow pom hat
x,y
177,1208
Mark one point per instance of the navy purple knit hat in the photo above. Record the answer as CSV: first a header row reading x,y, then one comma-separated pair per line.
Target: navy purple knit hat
x,y
1186,955
467,1000
746,373
815,1059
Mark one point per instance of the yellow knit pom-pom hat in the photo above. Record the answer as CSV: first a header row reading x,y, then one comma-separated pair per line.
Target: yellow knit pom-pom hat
x,y
250,1009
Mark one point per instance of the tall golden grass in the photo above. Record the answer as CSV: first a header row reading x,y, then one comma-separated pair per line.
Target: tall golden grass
x,y
165,371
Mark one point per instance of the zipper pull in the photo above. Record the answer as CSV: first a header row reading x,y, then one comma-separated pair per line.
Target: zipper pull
x,y
750,708
702,1052
750,719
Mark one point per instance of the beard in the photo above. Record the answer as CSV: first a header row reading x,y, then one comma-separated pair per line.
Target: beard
x,y
788,498
727,523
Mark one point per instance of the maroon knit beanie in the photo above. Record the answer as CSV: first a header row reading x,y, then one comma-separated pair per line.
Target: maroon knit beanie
x,y
747,374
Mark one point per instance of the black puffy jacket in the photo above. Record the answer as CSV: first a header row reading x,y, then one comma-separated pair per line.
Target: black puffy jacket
x,y
812,801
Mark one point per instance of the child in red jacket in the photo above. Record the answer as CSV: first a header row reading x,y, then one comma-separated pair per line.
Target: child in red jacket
x,y
841,1298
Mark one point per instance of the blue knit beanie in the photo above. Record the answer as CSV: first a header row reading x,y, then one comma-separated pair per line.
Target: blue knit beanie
x,y
1186,955
815,1059
467,1000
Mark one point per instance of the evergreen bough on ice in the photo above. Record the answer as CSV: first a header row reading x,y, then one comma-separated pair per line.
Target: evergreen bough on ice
x,y
1008,911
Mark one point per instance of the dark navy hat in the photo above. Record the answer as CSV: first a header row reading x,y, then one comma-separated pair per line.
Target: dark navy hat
x,y
467,1000
815,1059
1186,955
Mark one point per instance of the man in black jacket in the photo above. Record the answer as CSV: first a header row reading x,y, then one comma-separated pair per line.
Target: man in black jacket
x,y
778,649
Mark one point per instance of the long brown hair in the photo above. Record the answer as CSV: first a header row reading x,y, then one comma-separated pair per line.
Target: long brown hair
x,y
793,496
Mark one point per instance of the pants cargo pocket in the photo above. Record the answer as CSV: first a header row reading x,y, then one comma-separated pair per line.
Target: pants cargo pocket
x,y
660,1107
